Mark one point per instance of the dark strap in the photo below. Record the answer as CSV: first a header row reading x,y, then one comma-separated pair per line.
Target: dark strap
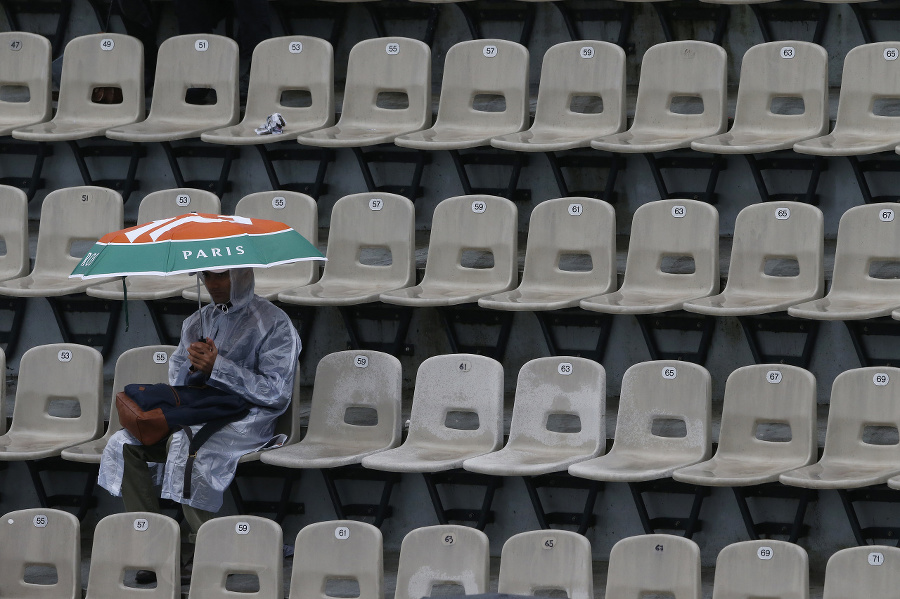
x,y
196,441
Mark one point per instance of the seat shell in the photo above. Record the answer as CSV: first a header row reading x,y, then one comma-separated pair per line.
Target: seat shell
x,y
547,559
850,573
442,554
13,231
655,563
337,549
55,540
27,66
768,568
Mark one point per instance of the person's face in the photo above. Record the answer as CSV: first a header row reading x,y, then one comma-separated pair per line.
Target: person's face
x,y
218,285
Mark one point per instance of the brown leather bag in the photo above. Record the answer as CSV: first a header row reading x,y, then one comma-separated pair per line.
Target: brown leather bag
x,y
148,427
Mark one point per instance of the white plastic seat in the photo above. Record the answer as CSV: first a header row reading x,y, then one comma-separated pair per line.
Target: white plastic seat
x,y
25,64
40,537
577,229
465,384
547,560
575,387
69,216
359,223
283,64
782,70
865,235
872,572
13,231
764,232
376,69
337,550
89,62
768,568
652,394
680,230
462,225
749,454
654,564
148,364
442,555
672,70
132,541
569,71
160,205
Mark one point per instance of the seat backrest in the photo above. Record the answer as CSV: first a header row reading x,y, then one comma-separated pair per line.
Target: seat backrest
x,y
378,70
863,416
135,541
674,246
443,555
475,73
767,568
14,262
52,379
547,560
338,550
41,537
778,248
167,203
560,403
292,64
689,77
148,364
576,77
790,77
666,408
870,74
458,401
25,61
196,61
370,223
298,211
356,397
872,572
73,217
102,60
661,565
864,259
237,545
562,233
465,227
760,396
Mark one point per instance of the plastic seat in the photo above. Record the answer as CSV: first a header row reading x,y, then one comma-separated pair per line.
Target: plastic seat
x,y
773,72
51,379
654,393
763,233
338,550
44,537
654,564
569,71
547,560
160,205
377,69
690,70
767,568
237,545
26,64
442,555
465,386
573,229
13,230
748,454
872,572
92,61
280,65
70,217
483,67
866,234
132,541
148,364
547,387
682,231
461,226
360,222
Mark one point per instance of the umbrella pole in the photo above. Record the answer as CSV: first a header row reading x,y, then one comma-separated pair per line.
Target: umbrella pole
x,y
200,309
125,301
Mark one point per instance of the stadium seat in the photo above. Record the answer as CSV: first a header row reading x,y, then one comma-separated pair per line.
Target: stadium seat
x,y
872,572
664,423
40,537
238,545
435,556
782,99
558,560
337,551
768,568
654,565
14,262
135,541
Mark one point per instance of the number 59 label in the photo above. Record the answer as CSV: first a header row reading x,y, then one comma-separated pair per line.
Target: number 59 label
x,y
242,528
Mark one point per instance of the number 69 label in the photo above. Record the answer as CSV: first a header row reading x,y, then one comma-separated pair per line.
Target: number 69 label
x,y
764,553
881,379
242,528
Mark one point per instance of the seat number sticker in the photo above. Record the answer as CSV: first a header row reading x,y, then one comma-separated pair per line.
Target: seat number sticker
x,y
183,200
15,45
376,204
881,379
565,368
478,207
295,47
669,372
764,553
783,213
886,215
890,53
678,211
392,49
876,559
40,521
107,44
576,209
64,355
548,542
201,45
465,366
587,52
242,528
160,357
448,539
279,203
141,524
490,51
361,361
341,533
787,52
773,376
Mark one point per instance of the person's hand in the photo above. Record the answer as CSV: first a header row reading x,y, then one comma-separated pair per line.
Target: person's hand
x,y
203,355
